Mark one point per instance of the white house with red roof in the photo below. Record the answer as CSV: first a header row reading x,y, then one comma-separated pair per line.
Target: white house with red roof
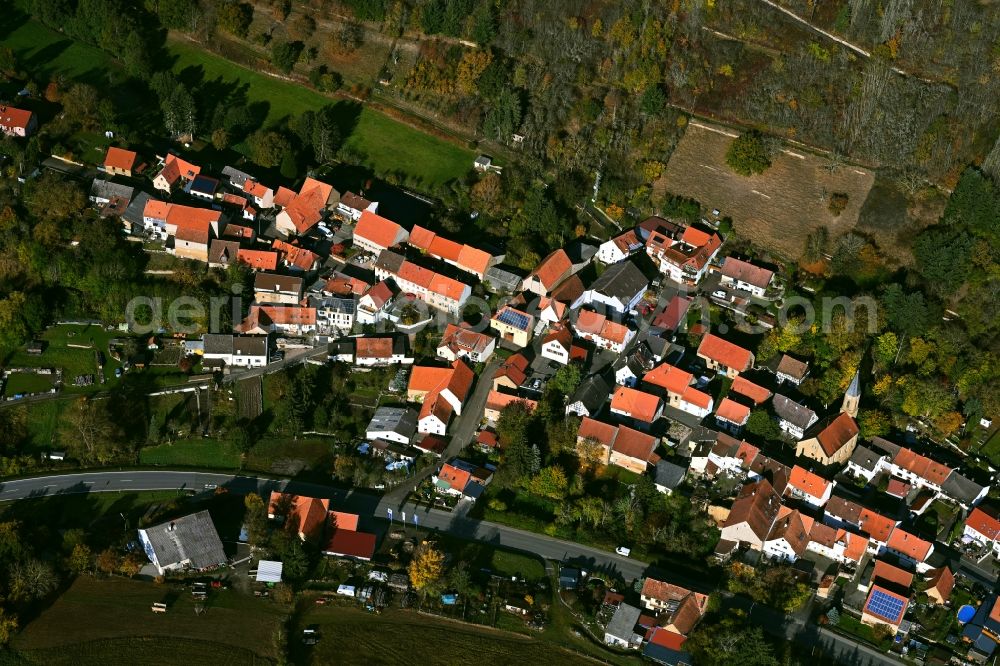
x,y
262,195
305,210
557,345
17,122
461,342
685,259
375,233
175,172
466,257
680,393
622,246
724,356
744,276
809,487
603,332
910,548
440,392
436,290
374,304
983,527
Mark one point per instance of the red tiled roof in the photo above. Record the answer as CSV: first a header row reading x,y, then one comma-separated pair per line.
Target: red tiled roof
x,y
897,488
747,388
757,505
693,396
637,404
306,515
876,525
119,158
669,377
445,249
431,281
942,580
634,444
294,255
908,544
156,209
13,117
497,401
811,484
349,543
725,352
984,523
378,230
344,521
674,313
553,269
612,331
473,259
836,435
283,196
515,367
922,466
597,430
457,478
857,545
262,260
256,189
733,412
891,574
667,639
421,238
373,347
791,527
744,271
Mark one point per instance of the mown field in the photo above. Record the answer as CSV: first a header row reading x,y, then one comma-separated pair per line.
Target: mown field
x,y
352,636
776,209
381,143
110,622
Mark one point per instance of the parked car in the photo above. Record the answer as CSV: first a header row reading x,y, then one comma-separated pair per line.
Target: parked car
x,y
623,551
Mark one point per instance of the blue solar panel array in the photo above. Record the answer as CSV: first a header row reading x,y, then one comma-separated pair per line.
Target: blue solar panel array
x,y
885,605
514,318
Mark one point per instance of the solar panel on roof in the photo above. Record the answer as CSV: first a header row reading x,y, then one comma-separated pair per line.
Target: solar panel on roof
x,y
513,318
885,605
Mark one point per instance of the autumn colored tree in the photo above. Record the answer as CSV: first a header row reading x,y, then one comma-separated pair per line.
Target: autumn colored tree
x,y
8,626
108,561
549,482
79,559
426,567
873,423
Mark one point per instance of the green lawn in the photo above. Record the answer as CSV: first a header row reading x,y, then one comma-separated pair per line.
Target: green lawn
x,y
74,361
510,563
198,452
46,54
383,144
27,382
43,422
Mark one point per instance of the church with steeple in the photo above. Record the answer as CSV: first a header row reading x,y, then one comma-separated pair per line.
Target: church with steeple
x,y
832,441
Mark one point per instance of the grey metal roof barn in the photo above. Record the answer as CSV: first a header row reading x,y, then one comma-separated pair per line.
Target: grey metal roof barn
x,y
189,542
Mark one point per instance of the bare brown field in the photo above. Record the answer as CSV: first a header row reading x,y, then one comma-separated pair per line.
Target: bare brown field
x,y
775,210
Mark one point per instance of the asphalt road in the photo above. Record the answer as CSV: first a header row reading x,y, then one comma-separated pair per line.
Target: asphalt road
x,y
460,431
590,559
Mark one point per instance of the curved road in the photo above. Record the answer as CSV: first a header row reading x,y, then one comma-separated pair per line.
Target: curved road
x,y
374,516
